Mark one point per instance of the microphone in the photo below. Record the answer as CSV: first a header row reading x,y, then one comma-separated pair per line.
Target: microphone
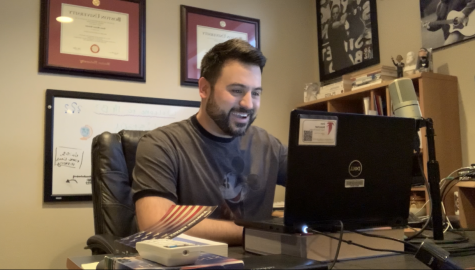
x,y
404,99
405,104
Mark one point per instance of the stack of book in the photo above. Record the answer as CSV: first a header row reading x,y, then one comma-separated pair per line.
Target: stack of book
x,y
373,75
204,261
335,87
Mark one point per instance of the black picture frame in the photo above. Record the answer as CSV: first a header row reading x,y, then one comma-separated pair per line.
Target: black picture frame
x,y
51,60
191,17
49,151
357,46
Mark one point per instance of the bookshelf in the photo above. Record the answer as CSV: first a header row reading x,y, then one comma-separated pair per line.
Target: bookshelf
x,y
438,98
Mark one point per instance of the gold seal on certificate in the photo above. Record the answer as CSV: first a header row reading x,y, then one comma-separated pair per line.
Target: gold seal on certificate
x,y
96,3
95,48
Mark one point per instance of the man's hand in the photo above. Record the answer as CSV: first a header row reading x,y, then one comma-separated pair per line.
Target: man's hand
x,y
426,25
460,19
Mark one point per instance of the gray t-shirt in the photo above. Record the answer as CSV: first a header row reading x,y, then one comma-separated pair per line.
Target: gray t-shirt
x,y
186,164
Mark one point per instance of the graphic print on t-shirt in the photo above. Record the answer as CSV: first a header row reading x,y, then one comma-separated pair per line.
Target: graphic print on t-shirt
x,y
233,187
238,189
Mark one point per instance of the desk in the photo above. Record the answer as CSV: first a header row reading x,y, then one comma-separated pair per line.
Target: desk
x,y
388,262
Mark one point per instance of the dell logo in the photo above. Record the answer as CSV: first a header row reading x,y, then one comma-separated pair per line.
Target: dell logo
x,y
355,169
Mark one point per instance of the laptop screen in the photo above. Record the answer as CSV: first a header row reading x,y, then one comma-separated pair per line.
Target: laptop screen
x,y
349,167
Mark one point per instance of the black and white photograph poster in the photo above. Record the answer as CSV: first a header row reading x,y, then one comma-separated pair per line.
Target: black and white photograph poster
x,y
348,36
446,22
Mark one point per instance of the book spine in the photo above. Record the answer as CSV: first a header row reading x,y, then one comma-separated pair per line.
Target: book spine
x,y
366,105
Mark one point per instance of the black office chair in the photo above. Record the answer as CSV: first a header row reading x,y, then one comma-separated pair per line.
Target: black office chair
x,y
113,159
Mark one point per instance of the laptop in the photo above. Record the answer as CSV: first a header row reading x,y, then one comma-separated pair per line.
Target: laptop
x,y
345,167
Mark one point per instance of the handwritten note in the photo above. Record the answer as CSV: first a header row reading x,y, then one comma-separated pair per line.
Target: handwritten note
x,y
68,157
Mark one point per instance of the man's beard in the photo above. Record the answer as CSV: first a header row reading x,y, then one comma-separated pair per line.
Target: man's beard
x,y
222,119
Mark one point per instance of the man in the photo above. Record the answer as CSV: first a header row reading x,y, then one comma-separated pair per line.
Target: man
x,y
216,157
465,7
337,36
399,66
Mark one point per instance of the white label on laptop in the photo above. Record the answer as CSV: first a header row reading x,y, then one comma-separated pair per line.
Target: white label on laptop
x,y
318,132
354,183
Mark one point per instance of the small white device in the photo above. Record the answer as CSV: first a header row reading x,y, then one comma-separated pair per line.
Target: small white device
x,y
168,252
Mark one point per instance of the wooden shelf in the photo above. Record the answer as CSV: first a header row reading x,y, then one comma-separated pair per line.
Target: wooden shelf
x,y
438,100
368,89
466,184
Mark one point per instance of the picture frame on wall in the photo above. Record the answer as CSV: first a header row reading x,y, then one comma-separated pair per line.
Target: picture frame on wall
x,y
95,38
446,23
201,29
348,37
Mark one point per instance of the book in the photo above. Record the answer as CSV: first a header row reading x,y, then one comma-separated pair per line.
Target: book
x,y
366,105
361,86
385,70
319,247
382,105
379,105
204,261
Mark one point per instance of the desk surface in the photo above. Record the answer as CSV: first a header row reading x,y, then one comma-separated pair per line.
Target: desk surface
x,y
387,262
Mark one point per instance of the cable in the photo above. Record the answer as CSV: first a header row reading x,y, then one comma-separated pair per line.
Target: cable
x,y
387,238
339,246
430,199
358,245
422,207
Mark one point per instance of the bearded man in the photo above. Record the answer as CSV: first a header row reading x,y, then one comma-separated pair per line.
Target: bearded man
x,y
216,157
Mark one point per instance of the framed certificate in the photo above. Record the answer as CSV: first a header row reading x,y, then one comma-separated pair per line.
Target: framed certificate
x,y
201,29
98,38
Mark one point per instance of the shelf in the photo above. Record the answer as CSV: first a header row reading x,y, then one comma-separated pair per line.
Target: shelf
x,y
438,97
466,184
366,90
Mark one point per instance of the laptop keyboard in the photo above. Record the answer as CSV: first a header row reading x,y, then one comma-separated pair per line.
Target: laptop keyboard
x,y
275,220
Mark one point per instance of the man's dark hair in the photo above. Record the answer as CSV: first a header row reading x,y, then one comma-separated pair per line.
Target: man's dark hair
x,y
233,49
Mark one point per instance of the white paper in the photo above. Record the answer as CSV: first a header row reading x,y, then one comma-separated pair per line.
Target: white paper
x,y
318,132
95,33
207,37
89,265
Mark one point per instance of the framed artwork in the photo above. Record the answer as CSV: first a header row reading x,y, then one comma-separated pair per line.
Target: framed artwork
x,y
201,29
98,38
348,36
446,23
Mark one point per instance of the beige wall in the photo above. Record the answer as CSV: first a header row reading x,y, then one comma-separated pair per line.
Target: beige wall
x,y
38,235
399,33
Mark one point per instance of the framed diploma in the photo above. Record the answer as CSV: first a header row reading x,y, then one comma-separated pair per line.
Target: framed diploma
x,y
201,29
98,38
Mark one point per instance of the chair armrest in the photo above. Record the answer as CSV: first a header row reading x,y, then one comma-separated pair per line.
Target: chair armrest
x,y
101,244
107,244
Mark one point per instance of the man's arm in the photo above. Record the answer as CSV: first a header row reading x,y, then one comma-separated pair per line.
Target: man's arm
x,y
151,209
441,11
469,8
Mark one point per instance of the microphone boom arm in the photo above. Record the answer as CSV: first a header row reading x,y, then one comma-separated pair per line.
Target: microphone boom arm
x,y
433,172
